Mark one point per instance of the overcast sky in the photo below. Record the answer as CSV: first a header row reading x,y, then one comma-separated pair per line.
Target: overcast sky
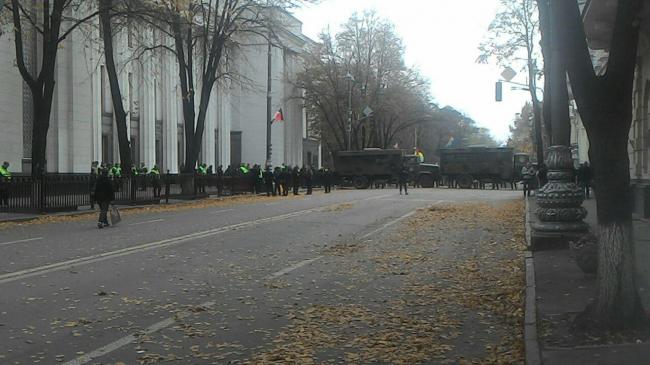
x,y
441,39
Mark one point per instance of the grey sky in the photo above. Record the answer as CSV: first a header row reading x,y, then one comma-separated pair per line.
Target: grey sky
x,y
441,39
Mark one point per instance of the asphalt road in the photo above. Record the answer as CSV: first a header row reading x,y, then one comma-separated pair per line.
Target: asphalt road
x,y
74,294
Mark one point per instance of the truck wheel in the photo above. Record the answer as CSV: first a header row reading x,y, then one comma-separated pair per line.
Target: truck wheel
x,y
360,182
465,181
426,181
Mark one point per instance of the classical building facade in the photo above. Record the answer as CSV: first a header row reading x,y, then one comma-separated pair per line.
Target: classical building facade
x,y
82,126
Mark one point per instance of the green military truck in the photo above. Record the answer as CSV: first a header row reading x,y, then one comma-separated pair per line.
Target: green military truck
x,y
464,166
362,168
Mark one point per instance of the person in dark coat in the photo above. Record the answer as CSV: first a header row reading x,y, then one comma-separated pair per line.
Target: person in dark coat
x,y
220,180
104,194
268,181
295,180
584,177
542,175
324,178
277,180
305,177
403,177
285,179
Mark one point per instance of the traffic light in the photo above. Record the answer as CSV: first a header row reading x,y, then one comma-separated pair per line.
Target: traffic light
x,y
498,91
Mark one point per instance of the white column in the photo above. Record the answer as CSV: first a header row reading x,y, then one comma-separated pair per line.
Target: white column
x,y
320,154
148,114
208,132
96,121
225,124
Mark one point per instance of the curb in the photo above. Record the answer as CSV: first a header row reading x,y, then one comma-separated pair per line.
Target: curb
x,y
531,343
122,208
93,211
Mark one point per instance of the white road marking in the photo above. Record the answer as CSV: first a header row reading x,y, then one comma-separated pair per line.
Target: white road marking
x,y
377,197
151,221
64,265
413,200
221,211
293,267
21,241
115,345
388,224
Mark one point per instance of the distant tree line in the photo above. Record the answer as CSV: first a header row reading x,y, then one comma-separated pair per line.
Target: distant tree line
x,y
362,68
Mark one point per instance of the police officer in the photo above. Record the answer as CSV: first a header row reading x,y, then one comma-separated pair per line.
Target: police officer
x,y
220,180
295,180
202,172
277,179
308,176
5,177
268,181
155,181
284,181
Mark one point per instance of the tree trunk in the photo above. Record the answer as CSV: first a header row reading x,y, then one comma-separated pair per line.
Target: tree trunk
x,y
545,30
617,302
42,95
39,133
116,94
605,104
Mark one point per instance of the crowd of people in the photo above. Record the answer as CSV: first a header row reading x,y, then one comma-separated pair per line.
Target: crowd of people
x,y
280,180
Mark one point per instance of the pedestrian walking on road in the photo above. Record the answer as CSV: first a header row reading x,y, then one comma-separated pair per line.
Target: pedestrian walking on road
x,y
403,177
104,194
325,179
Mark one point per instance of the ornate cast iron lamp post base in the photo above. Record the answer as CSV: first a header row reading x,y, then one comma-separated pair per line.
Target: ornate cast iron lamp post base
x,y
560,212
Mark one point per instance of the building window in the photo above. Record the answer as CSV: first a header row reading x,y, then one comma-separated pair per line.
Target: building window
x,y
235,148
135,151
134,110
159,153
180,147
216,147
107,148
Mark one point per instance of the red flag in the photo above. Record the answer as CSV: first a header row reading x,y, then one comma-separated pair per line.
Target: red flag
x,y
278,117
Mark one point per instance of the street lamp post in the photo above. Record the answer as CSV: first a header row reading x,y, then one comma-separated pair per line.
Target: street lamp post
x,y
350,79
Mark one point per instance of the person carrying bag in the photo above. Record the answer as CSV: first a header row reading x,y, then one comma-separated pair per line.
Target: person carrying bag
x,y
104,194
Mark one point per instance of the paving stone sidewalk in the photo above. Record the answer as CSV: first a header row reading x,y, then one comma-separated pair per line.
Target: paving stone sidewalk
x,y
562,290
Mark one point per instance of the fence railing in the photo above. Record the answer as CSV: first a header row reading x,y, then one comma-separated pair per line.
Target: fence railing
x,y
64,192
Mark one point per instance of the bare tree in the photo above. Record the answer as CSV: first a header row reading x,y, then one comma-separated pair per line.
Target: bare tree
x,y
54,21
513,35
363,63
605,105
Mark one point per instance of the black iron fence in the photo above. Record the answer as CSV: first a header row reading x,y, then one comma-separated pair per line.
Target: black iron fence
x,y
65,192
